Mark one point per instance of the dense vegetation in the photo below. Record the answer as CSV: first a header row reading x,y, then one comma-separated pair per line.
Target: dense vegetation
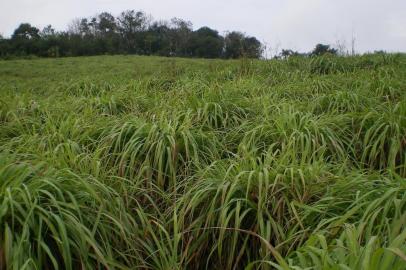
x,y
129,33
115,162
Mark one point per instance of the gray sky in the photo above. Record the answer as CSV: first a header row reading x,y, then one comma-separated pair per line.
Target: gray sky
x,y
296,24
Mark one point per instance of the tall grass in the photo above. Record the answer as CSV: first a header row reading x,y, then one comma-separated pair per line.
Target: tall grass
x,y
203,164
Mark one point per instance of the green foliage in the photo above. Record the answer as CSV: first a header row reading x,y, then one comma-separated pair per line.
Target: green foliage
x,y
351,251
129,33
325,65
57,219
237,45
322,49
152,163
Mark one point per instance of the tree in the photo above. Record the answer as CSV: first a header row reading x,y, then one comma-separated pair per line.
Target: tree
x,y
234,45
238,45
83,27
74,26
106,23
157,39
48,42
93,27
25,31
179,36
107,35
286,53
206,43
4,46
321,49
131,24
252,47
47,31
25,40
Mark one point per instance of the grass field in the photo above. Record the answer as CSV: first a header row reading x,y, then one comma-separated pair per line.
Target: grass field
x,y
118,162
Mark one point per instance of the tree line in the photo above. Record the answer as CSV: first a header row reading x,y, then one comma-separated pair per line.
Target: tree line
x,y
132,32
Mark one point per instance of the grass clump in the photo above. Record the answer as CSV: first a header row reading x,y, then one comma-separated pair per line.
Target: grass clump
x,y
57,219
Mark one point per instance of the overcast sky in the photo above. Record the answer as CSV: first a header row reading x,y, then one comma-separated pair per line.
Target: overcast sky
x,y
295,24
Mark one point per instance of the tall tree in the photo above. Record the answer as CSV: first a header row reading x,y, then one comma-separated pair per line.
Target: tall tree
x,y
252,47
206,43
84,28
25,31
47,31
180,35
131,24
321,49
106,23
286,53
238,45
234,45
24,40
157,40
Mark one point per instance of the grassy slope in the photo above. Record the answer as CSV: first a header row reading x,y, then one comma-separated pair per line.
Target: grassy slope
x,y
125,161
